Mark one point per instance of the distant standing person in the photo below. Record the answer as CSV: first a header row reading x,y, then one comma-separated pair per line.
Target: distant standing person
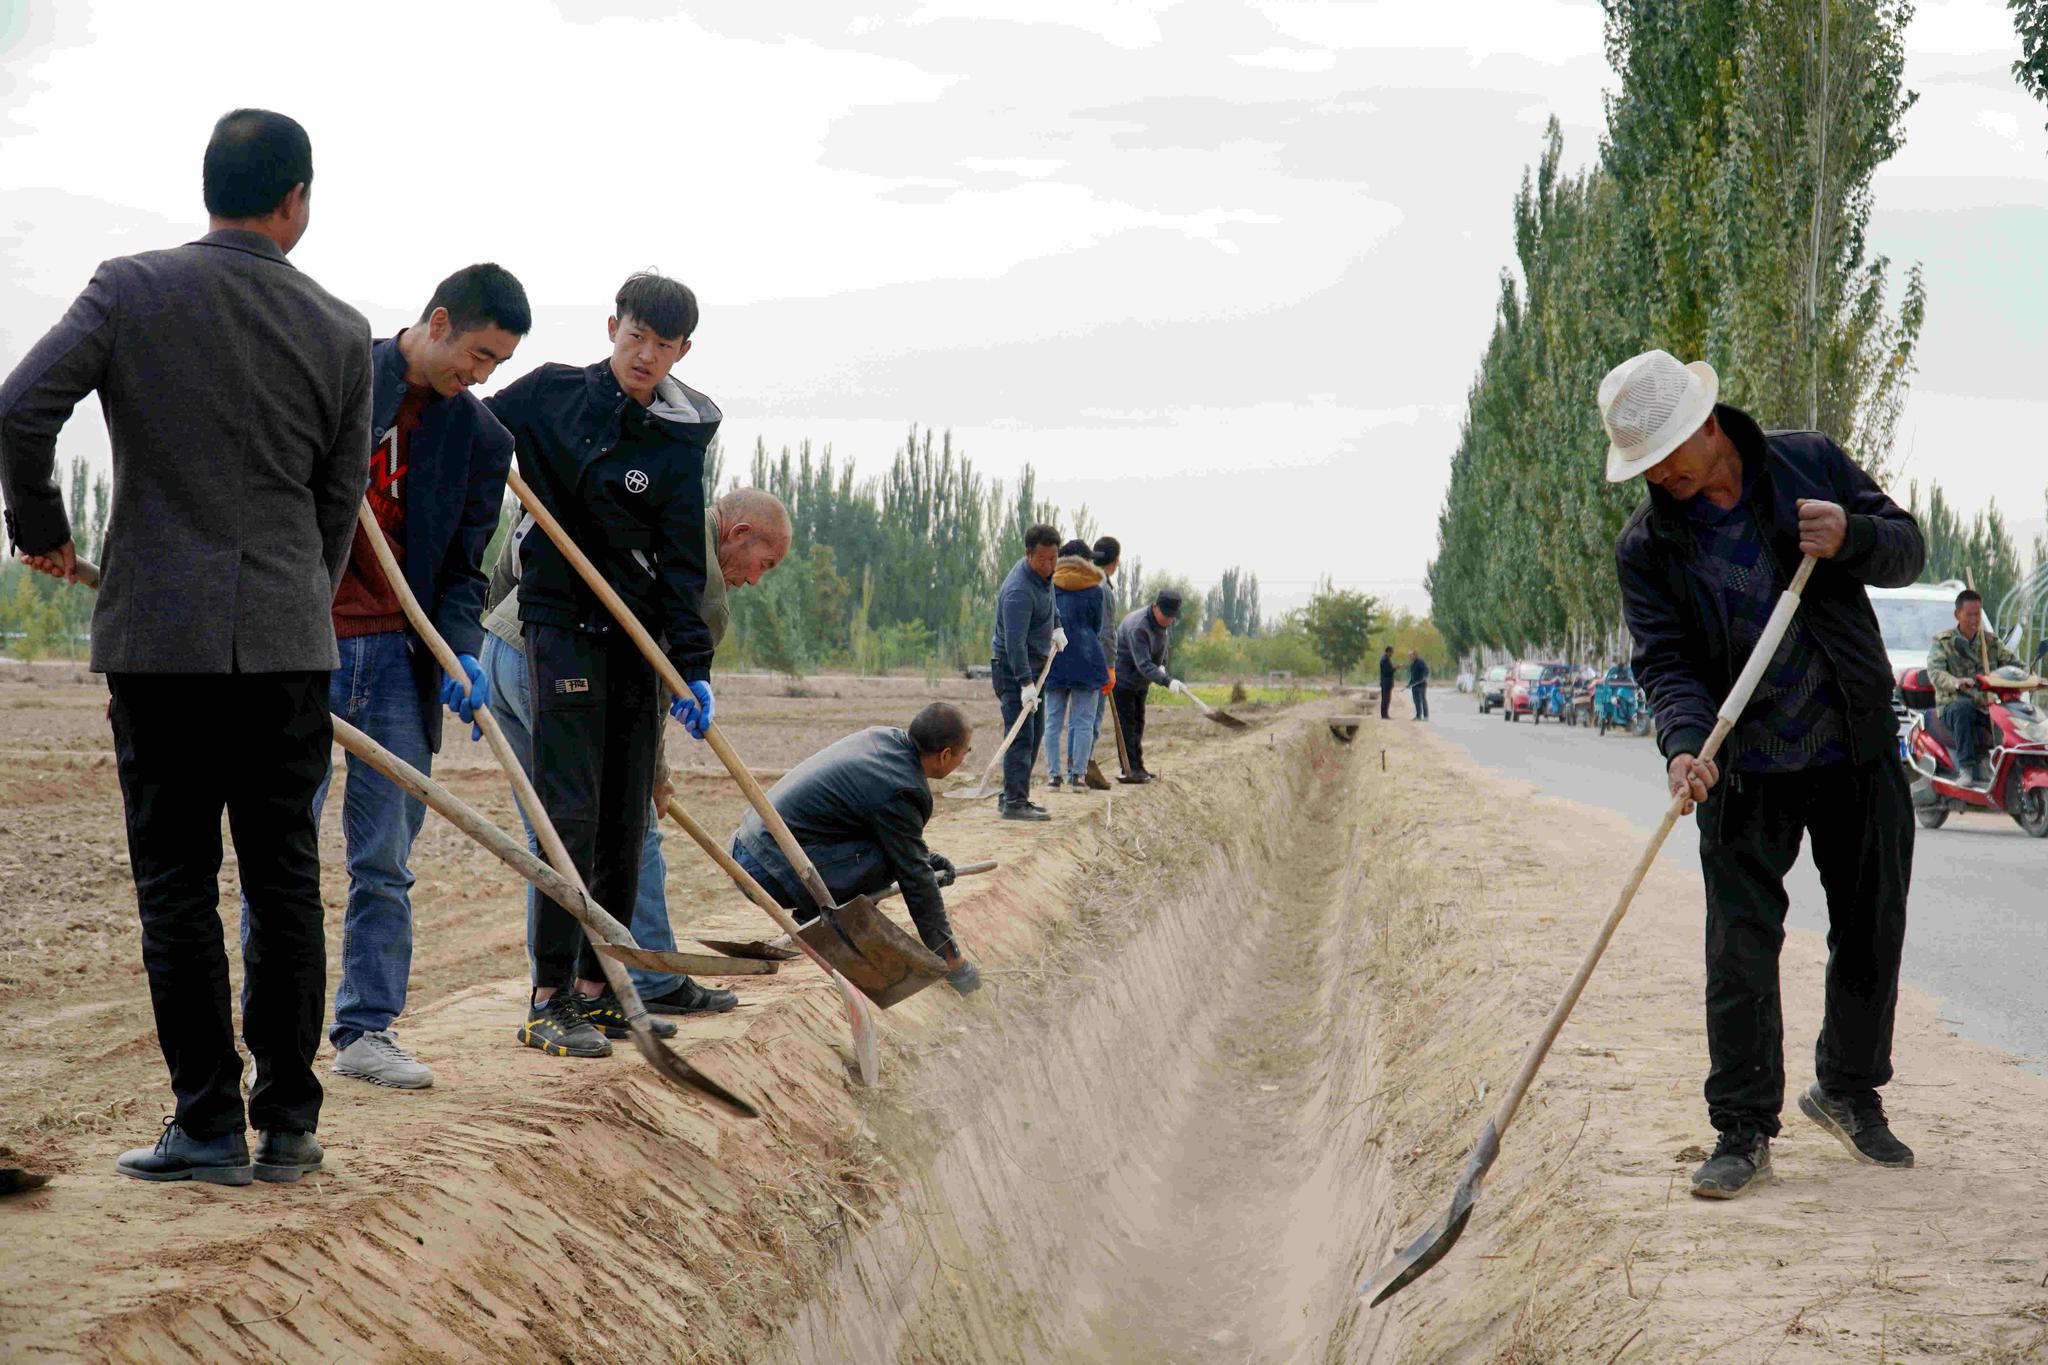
x,y
1079,671
1027,630
1386,680
1703,560
237,395
1108,555
1142,640
1418,684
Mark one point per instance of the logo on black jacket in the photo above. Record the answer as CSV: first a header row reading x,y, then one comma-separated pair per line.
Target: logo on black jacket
x,y
636,481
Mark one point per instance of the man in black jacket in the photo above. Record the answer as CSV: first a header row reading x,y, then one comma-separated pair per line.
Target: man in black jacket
x,y
859,807
1386,680
1418,684
615,450
237,394
1702,562
1143,639
437,478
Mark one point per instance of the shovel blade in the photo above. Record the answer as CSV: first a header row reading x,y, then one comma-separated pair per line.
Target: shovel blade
x,y
681,1074
977,792
690,964
1094,778
1227,721
867,947
753,948
867,1043
1425,1251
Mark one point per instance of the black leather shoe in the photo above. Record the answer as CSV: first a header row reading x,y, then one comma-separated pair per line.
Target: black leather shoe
x,y
1858,1123
283,1157
1740,1160
222,1160
1024,810
965,978
691,998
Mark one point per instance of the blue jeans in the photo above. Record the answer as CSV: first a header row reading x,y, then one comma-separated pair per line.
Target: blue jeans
x,y
512,703
1071,718
374,690
1021,756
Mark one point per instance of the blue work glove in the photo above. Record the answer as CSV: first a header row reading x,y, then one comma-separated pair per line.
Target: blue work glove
x,y
463,702
694,709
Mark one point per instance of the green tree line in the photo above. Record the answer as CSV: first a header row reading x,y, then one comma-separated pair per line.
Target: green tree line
x,y
1725,219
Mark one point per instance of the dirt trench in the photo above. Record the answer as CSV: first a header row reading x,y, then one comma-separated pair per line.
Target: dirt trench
x,y
1161,1155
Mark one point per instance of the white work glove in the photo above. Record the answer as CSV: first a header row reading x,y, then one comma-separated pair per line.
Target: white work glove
x,y
1059,638
1177,686
1028,694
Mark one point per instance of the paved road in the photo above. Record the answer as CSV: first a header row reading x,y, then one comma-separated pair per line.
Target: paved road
x,y
1977,935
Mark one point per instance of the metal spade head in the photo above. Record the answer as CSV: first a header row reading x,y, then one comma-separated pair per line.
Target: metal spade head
x,y
1227,721
678,1071
868,948
1425,1251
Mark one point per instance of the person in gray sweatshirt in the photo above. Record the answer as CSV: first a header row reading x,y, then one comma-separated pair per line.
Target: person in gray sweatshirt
x,y
1141,645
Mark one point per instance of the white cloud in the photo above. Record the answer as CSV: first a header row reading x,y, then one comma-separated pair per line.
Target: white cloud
x,y
1290,58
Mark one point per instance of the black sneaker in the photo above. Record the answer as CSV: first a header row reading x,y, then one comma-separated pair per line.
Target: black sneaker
x,y
1024,810
222,1160
965,978
1054,783
690,998
608,1016
557,1027
283,1157
1740,1160
1858,1123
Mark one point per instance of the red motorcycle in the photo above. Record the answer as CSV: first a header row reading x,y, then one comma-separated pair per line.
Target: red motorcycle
x,y
2017,759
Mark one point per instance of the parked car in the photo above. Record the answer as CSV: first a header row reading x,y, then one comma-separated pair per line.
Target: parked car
x,y
1492,688
1519,697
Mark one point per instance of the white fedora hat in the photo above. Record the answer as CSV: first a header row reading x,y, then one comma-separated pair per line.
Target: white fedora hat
x,y
1649,406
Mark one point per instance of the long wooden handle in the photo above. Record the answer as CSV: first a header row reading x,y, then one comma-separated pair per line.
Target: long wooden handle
x,y
1731,711
1017,726
666,671
963,870
744,880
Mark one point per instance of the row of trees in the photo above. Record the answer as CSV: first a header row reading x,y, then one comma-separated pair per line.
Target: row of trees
x,y
38,615
1725,219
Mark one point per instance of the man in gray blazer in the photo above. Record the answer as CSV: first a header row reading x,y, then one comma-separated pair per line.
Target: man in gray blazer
x,y
237,396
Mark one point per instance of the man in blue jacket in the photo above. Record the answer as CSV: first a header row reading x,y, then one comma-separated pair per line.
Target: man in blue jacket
x,y
615,450
437,478
1731,510
1027,630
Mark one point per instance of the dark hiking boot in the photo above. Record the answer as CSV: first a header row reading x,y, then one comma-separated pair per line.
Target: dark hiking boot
x,y
691,998
222,1160
283,1157
1740,1160
965,978
1858,1123
557,1027
608,1016
1024,810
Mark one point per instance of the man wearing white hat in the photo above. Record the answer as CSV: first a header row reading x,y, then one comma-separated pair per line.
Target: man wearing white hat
x,y
1731,509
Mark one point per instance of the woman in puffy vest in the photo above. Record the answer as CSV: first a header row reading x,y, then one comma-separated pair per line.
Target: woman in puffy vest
x,y
1080,671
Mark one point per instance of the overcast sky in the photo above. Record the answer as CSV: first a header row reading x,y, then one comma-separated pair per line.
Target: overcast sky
x,y
1223,271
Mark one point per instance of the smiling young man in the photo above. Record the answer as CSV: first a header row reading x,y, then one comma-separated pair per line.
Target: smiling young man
x,y
437,477
615,450
1731,510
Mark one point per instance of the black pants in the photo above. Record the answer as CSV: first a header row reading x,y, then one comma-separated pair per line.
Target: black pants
x,y
850,867
1130,710
257,745
1386,696
1963,719
1420,691
596,720
1860,819
1022,755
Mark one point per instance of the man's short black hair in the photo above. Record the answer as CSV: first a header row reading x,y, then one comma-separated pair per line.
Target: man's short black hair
x,y
252,161
941,725
658,303
1108,550
1041,535
1967,595
483,295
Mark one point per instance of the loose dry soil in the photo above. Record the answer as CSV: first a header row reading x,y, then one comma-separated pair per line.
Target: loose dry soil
x,y
1239,1030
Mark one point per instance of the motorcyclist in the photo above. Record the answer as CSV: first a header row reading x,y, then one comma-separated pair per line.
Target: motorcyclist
x,y
1954,662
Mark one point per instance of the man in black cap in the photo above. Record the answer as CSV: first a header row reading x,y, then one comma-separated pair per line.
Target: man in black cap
x,y
1141,645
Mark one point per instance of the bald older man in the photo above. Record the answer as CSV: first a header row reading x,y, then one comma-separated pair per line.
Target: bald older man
x,y
746,533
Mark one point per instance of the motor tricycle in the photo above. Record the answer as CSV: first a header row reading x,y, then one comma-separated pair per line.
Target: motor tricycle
x,y
1618,702
2016,752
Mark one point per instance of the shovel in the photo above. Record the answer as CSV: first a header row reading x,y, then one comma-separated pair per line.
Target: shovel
x,y
867,1051
1222,718
774,952
876,955
646,959
1426,1250
982,788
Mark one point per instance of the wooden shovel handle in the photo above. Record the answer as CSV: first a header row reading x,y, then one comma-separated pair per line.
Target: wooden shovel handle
x,y
1017,727
1731,711
666,671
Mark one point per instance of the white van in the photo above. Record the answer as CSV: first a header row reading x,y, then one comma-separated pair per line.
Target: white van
x,y
1910,618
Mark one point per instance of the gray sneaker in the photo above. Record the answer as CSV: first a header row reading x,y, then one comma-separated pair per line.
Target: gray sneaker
x,y
377,1057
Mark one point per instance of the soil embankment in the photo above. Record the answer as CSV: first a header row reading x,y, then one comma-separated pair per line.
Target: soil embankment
x,y
1236,1040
